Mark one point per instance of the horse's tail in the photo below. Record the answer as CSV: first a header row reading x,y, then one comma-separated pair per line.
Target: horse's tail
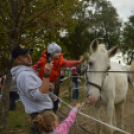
x,y
132,69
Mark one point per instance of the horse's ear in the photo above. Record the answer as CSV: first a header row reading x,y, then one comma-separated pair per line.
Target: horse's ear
x,y
94,45
112,51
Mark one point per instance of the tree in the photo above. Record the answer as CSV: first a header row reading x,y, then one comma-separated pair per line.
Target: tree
x,y
128,40
128,34
28,22
105,24
77,42
100,21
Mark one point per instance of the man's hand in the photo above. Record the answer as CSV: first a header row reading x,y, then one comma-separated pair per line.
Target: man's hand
x,y
51,86
44,88
80,59
48,67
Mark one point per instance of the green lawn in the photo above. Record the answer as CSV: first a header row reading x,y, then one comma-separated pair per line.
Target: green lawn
x,y
20,121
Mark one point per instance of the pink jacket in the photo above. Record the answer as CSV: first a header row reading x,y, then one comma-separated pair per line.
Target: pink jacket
x,y
64,127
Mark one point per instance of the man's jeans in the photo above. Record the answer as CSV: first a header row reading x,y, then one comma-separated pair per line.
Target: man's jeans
x,y
13,97
75,90
34,128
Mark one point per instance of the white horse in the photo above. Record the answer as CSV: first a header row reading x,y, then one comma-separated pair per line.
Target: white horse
x,y
107,89
130,76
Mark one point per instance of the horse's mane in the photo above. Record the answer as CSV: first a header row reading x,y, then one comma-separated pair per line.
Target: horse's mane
x,y
102,47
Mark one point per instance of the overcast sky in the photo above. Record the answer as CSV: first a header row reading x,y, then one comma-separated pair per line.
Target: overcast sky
x,y
124,8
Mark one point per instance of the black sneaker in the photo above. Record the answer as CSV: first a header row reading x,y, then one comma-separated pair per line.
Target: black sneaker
x,y
57,104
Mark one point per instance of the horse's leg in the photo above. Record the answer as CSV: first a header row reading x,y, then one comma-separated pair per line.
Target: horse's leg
x,y
116,115
121,107
132,83
110,114
96,112
114,119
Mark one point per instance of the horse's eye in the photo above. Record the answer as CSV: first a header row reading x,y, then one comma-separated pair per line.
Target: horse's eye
x,y
90,63
108,68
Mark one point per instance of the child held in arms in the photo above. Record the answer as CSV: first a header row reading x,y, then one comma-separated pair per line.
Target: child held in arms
x,y
58,61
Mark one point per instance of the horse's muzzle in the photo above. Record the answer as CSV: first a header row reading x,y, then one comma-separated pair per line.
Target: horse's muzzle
x,y
91,100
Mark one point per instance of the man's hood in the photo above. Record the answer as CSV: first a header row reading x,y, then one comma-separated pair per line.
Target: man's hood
x,y
18,69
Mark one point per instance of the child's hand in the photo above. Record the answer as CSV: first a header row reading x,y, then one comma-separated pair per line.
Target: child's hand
x,y
78,105
81,59
75,73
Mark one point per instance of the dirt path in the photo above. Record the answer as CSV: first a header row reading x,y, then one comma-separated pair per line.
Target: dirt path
x,y
89,124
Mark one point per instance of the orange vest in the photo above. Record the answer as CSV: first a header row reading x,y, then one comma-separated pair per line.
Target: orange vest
x,y
55,71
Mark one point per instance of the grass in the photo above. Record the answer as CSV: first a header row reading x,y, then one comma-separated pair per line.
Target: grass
x,y
19,121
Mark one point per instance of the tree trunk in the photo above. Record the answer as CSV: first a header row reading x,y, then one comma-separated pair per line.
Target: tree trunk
x,y
5,95
5,102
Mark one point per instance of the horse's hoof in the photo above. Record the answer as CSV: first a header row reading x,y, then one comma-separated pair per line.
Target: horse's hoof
x,y
122,127
115,131
133,99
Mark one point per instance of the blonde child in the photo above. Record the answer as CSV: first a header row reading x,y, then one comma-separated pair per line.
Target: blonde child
x,y
47,122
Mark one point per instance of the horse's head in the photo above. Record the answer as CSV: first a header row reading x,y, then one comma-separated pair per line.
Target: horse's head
x,y
98,61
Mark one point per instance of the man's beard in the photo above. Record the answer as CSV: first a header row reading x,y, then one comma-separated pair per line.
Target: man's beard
x,y
26,64
29,65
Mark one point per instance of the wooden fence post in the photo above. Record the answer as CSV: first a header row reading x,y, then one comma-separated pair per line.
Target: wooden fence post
x,y
70,85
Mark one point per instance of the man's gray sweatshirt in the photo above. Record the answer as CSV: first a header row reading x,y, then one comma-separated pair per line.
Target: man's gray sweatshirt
x,y
28,84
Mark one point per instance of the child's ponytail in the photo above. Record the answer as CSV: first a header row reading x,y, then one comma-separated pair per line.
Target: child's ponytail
x,y
45,120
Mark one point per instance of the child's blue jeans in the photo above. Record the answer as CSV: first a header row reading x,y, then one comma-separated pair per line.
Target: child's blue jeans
x,y
75,89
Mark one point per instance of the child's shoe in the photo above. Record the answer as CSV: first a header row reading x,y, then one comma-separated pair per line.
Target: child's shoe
x,y
57,104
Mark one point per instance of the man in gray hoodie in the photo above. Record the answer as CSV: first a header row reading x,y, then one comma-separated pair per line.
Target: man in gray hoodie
x,y
33,91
